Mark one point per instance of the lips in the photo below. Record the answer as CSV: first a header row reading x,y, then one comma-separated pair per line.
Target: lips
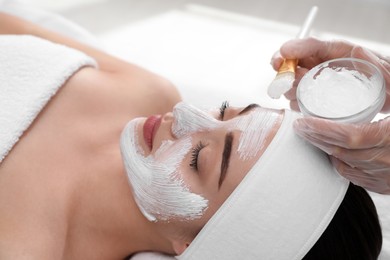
x,y
150,128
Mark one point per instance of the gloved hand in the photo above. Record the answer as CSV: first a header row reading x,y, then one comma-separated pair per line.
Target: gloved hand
x,y
311,52
360,152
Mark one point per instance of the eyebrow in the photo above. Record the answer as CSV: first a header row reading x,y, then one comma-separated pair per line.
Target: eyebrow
x,y
249,108
227,150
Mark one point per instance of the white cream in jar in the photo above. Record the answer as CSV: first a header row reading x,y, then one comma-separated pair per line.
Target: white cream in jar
x,y
348,90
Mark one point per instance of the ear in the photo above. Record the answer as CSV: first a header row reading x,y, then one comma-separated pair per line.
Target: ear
x,y
179,246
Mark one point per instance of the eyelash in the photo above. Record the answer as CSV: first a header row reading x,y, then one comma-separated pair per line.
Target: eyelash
x,y
195,155
196,150
225,104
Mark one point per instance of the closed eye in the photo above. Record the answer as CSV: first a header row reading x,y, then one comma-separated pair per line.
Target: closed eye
x,y
195,155
225,104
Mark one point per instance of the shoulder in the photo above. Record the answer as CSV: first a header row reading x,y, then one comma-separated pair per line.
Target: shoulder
x,y
130,89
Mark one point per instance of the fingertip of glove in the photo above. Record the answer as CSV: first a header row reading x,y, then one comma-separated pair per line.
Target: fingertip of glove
x,y
299,124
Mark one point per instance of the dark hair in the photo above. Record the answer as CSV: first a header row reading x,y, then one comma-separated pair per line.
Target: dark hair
x,y
354,232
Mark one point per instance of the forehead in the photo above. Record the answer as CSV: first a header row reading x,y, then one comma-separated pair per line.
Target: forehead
x,y
189,119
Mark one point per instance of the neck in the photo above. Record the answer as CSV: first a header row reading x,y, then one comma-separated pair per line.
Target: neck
x,y
105,215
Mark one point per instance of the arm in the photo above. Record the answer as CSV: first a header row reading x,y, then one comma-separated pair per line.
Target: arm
x,y
360,152
312,51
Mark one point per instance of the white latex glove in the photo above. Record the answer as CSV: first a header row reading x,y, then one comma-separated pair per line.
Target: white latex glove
x,y
311,52
359,152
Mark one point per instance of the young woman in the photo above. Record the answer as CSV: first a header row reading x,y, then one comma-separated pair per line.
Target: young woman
x,y
105,170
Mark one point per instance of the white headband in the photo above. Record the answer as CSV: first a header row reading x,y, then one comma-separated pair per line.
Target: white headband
x,y
280,209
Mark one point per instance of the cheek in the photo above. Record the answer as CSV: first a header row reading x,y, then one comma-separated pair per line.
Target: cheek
x,y
203,181
158,188
205,188
190,177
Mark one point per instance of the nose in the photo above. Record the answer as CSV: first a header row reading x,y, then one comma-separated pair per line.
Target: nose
x,y
188,119
167,120
168,117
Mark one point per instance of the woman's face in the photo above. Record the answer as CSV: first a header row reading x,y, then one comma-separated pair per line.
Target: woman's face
x,y
183,165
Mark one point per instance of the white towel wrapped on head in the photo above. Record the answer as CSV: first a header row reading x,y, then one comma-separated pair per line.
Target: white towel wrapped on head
x,y
31,72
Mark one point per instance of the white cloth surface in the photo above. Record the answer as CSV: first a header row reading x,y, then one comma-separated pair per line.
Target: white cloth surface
x,y
211,56
48,20
31,72
151,256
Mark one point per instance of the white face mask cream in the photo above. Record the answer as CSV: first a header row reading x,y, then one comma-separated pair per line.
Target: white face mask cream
x,y
158,189
254,127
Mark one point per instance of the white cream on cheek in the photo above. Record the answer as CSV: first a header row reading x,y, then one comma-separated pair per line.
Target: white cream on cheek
x,y
158,188
255,126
